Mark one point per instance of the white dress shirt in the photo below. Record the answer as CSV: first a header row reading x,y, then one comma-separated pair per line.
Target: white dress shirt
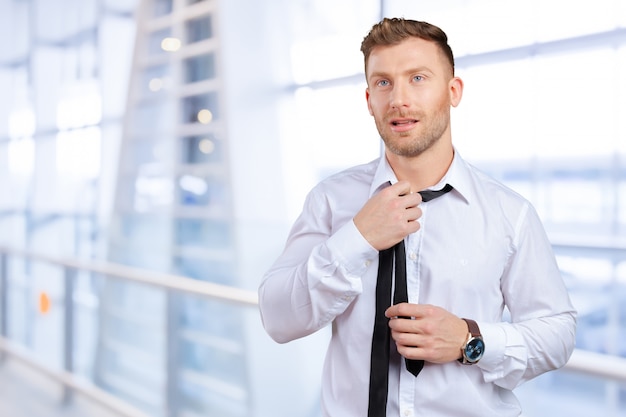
x,y
480,249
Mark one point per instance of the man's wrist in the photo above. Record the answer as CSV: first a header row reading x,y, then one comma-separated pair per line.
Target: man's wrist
x,y
474,347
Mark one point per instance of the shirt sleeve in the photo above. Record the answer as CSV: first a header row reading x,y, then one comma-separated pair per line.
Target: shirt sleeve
x,y
317,276
541,333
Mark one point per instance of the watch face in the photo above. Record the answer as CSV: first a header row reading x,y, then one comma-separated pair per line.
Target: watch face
x,y
474,350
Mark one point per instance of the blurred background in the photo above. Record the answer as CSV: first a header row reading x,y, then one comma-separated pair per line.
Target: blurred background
x,y
154,153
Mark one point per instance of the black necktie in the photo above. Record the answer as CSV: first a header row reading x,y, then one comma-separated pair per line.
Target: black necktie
x,y
379,364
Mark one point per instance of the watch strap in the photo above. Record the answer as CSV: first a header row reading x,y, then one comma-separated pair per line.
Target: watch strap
x,y
472,327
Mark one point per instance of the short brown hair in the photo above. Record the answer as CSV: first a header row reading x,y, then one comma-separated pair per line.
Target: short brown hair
x,y
391,31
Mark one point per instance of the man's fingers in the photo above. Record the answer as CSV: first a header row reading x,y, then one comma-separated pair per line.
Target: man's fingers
x,y
403,189
413,213
400,188
405,310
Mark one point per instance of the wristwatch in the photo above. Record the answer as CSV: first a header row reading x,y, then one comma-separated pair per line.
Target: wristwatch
x,y
474,347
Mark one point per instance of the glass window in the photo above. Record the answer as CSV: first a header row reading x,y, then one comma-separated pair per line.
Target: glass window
x,y
161,7
208,234
155,41
556,102
224,400
201,149
155,79
153,116
213,270
621,204
199,29
198,68
78,152
500,25
199,191
325,36
142,239
139,152
21,156
227,365
200,109
565,188
315,122
19,306
194,316
141,337
153,191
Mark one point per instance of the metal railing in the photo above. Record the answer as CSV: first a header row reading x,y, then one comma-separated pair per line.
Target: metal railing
x,y
589,363
66,377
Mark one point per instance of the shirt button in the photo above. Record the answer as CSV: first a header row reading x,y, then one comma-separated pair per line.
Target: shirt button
x,y
368,263
407,412
412,256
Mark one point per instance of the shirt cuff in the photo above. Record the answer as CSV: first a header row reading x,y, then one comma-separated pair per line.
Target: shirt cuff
x,y
494,337
351,249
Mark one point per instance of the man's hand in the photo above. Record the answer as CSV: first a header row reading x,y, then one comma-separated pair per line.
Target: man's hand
x,y
389,216
434,334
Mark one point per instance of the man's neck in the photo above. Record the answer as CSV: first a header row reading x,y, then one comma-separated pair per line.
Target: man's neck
x,y
424,170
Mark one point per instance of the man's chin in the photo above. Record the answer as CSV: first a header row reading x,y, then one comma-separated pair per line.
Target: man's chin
x,y
408,150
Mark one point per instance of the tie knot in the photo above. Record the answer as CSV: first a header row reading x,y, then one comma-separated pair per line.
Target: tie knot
x,y
428,195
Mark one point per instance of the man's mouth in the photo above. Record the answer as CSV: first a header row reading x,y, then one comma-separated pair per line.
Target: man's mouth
x,y
403,122
401,125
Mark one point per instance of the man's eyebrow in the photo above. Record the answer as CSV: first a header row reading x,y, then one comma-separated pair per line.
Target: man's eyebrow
x,y
377,74
422,68
383,74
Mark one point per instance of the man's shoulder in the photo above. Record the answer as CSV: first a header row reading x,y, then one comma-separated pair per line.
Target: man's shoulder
x,y
490,189
346,187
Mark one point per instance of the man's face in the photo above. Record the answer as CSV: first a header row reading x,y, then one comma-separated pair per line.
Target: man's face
x,y
410,91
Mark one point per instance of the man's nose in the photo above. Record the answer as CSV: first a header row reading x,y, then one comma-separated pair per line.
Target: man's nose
x,y
400,96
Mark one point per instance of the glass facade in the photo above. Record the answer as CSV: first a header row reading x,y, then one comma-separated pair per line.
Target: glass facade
x,y
60,122
182,136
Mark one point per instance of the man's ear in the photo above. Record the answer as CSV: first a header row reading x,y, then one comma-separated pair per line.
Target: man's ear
x,y
456,91
367,97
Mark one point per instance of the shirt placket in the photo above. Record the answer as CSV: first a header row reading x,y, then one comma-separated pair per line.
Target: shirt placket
x,y
407,389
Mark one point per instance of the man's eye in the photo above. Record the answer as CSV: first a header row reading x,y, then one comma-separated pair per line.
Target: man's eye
x,y
383,83
418,78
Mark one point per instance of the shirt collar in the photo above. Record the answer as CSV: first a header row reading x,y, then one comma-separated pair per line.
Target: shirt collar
x,y
384,175
458,176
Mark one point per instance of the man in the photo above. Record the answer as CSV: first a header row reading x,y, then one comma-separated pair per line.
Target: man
x,y
471,253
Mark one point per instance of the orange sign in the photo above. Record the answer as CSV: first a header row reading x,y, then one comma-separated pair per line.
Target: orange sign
x,y
44,303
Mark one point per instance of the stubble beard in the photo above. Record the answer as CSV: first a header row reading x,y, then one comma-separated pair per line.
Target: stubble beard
x,y
411,144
